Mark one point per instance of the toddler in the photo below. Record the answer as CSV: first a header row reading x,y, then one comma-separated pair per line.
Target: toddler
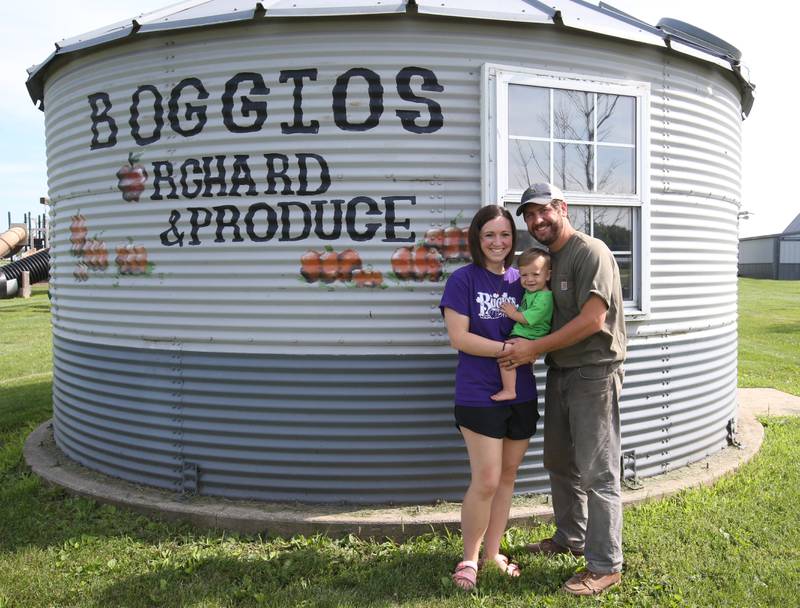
x,y
534,315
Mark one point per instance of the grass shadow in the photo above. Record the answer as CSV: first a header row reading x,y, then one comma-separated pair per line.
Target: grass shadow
x,y
25,404
311,577
35,304
784,329
40,309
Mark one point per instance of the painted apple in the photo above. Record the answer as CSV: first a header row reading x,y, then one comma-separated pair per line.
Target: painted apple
x,y
427,263
131,259
452,243
81,272
434,264
95,254
435,238
310,266
401,263
132,179
329,263
419,256
122,259
465,253
139,259
78,232
377,278
367,277
420,263
349,260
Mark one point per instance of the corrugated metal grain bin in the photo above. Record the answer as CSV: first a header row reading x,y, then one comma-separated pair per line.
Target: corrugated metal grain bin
x,y
256,205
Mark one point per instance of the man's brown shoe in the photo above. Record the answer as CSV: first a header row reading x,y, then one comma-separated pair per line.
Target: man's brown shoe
x,y
591,583
548,546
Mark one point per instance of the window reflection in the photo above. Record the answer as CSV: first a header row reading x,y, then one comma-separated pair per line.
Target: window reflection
x,y
625,263
616,119
528,163
528,111
615,170
597,132
573,166
580,217
573,115
526,241
585,142
613,226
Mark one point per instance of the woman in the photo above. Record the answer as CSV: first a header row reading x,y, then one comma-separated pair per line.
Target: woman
x,y
496,433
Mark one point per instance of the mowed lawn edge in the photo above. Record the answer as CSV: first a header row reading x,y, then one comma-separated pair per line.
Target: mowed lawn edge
x,y
733,544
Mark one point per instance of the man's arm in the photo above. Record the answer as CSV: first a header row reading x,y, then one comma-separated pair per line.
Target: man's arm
x,y
588,322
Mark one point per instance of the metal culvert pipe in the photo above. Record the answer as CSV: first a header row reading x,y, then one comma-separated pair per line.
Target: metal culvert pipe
x,y
37,264
12,239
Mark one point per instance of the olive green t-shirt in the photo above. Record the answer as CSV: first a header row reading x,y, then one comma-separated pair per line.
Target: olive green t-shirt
x,y
585,266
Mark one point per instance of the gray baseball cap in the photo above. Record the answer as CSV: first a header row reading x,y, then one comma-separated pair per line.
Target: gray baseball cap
x,y
540,194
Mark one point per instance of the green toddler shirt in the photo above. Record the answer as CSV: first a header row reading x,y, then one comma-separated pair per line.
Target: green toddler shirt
x,y
537,308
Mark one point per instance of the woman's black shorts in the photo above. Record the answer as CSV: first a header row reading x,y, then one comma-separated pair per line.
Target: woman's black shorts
x,y
515,421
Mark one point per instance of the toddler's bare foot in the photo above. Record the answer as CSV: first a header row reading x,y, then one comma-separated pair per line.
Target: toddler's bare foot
x,y
504,395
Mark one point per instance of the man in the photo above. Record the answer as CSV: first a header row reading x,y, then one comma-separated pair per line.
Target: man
x,y
585,353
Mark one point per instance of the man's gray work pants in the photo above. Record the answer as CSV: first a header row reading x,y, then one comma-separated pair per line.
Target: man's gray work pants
x,y
582,455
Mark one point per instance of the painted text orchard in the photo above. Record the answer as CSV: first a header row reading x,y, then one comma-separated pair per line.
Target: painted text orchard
x,y
244,108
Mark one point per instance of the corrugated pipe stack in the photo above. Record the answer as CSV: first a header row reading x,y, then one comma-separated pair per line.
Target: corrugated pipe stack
x,y
12,239
38,264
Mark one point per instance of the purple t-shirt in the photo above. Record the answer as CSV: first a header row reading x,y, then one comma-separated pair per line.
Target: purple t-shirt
x,y
477,294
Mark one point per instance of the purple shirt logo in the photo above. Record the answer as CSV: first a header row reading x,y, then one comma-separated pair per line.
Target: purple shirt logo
x,y
490,304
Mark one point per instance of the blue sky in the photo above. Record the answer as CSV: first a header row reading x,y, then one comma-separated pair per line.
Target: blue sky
x,y
770,136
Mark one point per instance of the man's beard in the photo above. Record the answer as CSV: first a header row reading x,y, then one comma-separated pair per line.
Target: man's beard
x,y
550,233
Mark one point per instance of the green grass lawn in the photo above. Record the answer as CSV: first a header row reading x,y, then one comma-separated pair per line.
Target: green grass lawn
x,y
736,544
769,334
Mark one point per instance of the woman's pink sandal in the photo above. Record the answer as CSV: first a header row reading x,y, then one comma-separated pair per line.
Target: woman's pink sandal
x,y
466,575
503,563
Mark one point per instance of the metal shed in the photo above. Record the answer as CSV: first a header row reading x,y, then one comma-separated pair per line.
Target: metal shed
x,y
255,205
772,256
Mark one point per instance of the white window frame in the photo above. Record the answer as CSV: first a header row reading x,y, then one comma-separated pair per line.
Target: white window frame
x,y
495,80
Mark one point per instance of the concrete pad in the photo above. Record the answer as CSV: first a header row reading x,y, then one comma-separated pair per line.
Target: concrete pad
x,y
285,519
768,402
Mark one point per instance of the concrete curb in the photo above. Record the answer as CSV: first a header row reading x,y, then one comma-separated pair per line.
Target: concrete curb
x,y
251,517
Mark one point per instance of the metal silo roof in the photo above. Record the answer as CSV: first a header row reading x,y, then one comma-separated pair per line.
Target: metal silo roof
x,y
600,18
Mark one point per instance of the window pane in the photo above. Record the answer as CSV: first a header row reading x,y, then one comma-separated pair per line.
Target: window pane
x,y
573,115
579,217
613,226
573,167
528,111
615,170
526,241
616,119
625,264
528,163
